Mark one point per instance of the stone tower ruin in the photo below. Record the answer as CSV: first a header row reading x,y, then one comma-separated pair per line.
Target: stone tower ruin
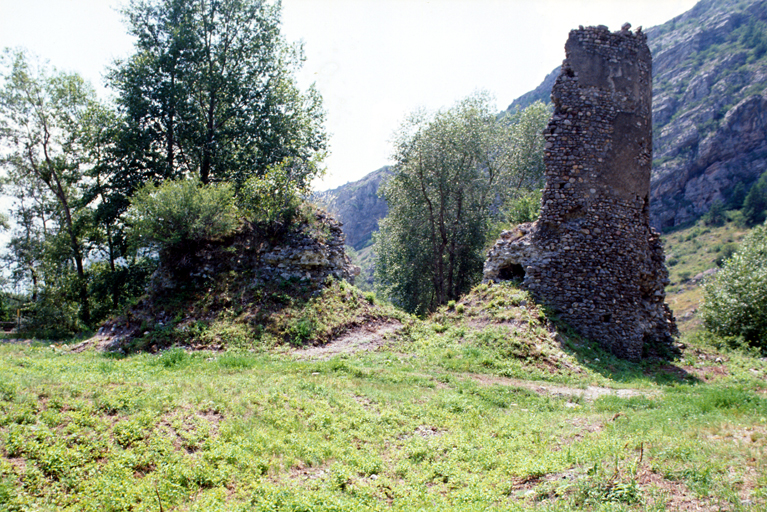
x,y
592,255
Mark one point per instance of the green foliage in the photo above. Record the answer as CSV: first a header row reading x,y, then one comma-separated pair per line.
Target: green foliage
x,y
754,37
51,316
177,213
210,91
526,207
174,358
725,252
273,199
41,115
755,204
453,168
715,216
6,313
736,299
430,420
526,165
737,196
302,330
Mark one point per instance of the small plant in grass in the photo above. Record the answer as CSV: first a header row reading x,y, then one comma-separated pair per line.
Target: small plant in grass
x,y
174,358
301,331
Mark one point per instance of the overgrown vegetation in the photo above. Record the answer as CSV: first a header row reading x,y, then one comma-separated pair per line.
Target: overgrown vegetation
x,y
179,213
207,98
457,171
231,314
736,298
487,405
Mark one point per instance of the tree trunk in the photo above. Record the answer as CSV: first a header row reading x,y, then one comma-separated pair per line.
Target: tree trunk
x,y
54,183
171,129
207,148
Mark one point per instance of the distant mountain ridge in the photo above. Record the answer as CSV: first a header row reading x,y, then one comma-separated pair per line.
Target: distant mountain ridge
x,y
709,106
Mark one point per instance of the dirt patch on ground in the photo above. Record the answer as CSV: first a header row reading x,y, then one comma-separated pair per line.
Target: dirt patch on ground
x,y
21,341
307,474
187,430
362,338
589,393
99,342
675,494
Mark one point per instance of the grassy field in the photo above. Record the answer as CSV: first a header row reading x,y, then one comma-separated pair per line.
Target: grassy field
x,y
485,406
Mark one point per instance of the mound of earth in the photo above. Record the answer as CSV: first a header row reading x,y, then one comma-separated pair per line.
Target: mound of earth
x,y
257,289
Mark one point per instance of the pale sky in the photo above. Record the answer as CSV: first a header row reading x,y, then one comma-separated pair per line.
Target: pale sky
x,y
373,61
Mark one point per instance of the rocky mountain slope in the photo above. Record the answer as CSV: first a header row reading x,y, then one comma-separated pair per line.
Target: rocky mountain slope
x,y
709,117
358,206
709,106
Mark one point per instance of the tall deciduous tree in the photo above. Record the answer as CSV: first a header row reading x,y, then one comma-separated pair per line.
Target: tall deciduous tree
x,y
40,112
210,91
451,169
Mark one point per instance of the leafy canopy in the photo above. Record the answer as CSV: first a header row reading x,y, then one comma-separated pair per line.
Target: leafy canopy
x,y
41,115
453,171
210,92
755,204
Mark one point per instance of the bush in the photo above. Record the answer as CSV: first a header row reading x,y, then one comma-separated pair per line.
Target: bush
x,y
524,208
736,299
274,198
5,311
183,211
715,216
725,252
51,317
755,205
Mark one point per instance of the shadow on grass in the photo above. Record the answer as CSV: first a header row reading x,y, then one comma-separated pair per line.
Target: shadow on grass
x,y
658,366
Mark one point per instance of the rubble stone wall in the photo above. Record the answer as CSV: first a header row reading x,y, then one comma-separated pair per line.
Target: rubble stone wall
x,y
592,255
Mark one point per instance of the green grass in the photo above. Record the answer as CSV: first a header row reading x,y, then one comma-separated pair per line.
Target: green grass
x,y
446,416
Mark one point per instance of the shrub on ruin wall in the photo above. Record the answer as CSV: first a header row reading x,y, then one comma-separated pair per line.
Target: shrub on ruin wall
x,y
274,198
178,213
736,299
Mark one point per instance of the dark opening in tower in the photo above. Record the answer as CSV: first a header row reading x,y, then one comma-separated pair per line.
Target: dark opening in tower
x,y
512,272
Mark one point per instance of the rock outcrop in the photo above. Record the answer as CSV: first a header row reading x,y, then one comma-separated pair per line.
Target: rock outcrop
x,y
592,255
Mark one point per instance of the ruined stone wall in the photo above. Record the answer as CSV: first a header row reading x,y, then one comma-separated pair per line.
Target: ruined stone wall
x,y
592,255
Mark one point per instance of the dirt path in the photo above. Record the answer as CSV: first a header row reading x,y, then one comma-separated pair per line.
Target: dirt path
x,y
362,338
589,393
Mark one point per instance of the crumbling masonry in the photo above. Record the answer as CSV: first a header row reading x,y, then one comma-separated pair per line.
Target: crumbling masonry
x,y
592,255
